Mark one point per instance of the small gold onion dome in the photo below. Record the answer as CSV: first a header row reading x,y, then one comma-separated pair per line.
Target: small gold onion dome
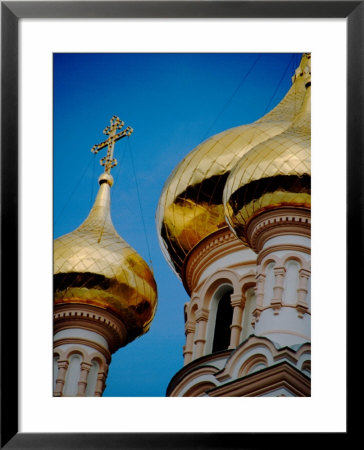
x,y
93,265
191,206
273,174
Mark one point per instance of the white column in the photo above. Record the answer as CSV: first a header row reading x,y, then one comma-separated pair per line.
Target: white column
x,y
82,383
237,304
61,377
201,319
188,348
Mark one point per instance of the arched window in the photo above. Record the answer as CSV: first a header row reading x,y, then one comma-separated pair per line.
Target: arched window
x,y
250,305
55,371
73,376
291,283
92,379
269,283
224,316
308,296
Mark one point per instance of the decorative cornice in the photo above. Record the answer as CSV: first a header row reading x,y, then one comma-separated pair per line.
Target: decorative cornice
x,y
266,333
92,319
278,222
275,248
213,247
259,309
282,375
195,365
80,341
200,371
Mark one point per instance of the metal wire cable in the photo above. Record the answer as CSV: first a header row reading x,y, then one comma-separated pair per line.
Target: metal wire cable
x,y
140,204
232,96
291,60
74,190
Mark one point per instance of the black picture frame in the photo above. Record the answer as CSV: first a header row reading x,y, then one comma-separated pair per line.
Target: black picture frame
x,y
11,12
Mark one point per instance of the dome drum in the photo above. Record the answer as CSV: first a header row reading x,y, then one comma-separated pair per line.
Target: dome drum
x,y
91,318
275,222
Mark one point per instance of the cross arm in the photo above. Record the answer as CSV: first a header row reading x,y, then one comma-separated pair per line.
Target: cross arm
x,y
97,147
127,132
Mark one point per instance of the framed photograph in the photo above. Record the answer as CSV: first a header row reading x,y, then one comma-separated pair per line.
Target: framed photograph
x,y
67,64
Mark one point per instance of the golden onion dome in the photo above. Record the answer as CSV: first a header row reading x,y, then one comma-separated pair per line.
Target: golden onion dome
x,y
273,174
191,204
93,265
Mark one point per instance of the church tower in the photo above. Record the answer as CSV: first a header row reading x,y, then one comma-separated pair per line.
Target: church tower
x,y
105,295
234,224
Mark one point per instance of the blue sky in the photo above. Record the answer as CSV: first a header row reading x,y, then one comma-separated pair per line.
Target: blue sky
x,y
173,102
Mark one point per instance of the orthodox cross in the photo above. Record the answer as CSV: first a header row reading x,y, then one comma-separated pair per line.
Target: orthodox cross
x,y
115,124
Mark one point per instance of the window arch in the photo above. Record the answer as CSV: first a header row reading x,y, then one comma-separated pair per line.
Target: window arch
x,y
291,282
250,305
73,375
92,378
55,370
220,318
269,283
308,296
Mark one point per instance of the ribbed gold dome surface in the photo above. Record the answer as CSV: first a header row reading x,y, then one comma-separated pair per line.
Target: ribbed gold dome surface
x,y
93,265
273,174
191,205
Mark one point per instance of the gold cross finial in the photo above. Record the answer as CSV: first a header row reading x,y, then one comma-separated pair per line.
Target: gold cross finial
x,y
115,124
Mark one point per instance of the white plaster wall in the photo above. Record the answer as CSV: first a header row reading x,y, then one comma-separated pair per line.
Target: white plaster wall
x,y
288,239
285,328
234,258
246,269
82,334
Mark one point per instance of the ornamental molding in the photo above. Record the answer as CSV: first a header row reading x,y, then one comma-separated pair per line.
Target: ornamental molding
x,y
301,312
282,375
279,247
210,249
83,342
202,315
91,318
284,369
187,383
278,222
205,361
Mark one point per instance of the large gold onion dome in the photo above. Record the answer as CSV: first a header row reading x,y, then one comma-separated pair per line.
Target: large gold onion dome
x,y
275,173
191,206
93,265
